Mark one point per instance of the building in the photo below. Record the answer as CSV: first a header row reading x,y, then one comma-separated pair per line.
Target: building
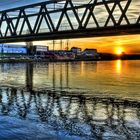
x,y
89,52
13,49
76,50
60,55
40,50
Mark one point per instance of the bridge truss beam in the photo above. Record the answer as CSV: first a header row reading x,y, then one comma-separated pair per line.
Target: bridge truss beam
x,y
61,19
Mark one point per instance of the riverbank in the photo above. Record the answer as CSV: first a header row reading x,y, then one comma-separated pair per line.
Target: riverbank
x,y
103,57
40,60
45,60
27,58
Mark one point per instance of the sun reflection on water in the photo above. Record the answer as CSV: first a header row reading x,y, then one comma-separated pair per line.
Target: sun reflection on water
x,y
119,66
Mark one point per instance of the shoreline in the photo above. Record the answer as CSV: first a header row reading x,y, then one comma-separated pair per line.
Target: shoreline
x,y
75,60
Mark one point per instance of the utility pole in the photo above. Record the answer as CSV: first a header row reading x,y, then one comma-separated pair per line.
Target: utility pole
x,y
61,44
53,44
67,44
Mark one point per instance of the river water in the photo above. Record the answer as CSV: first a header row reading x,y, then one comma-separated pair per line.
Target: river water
x,y
70,101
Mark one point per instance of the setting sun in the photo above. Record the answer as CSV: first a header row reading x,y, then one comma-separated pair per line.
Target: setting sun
x,y
119,51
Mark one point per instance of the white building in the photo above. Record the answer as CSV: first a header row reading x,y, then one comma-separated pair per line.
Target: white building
x,y
90,53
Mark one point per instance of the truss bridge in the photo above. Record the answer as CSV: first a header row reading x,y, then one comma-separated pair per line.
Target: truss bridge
x,y
63,19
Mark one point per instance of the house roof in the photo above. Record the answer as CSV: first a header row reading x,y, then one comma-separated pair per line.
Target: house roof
x,y
90,49
75,48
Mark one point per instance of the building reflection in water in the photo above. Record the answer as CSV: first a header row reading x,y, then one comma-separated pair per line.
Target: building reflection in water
x,y
61,76
29,76
50,75
84,116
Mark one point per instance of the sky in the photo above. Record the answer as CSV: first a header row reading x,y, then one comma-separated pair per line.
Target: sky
x,y
113,44
127,44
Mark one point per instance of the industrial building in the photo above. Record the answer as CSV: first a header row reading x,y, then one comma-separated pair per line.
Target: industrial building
x,y
13,49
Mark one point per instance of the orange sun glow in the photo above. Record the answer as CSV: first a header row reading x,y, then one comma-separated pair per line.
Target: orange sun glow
x,y
119,51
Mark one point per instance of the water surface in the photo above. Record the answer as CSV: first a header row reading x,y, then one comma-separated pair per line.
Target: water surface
x,y
75,100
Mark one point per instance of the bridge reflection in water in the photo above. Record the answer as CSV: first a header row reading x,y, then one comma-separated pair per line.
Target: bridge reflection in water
x,y
84,116
49,95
